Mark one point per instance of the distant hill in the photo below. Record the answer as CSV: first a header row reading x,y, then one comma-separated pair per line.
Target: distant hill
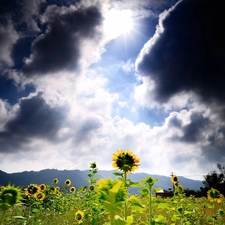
x,y
78,178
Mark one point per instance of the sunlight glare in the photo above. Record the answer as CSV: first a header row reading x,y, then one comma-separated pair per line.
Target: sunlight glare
x,y
118,22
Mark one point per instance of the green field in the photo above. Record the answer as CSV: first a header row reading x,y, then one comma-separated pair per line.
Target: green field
x,y
107,201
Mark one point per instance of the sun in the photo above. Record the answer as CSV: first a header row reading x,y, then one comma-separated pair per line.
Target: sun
x,y
118,22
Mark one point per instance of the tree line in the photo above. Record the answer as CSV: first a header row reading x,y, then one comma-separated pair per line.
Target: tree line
x,y
214,179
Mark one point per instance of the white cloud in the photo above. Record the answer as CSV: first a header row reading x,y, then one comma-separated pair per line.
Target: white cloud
x,y
8,37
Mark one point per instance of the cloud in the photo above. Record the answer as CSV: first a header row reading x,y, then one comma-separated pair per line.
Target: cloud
x,y
8,38
24,14
60,48
186,54
144,8
34,118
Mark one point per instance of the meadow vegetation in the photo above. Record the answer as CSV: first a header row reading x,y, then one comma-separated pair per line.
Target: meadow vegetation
x,y
108,202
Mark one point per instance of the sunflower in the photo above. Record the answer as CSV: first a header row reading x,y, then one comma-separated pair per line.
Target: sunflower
x,y
220,199
93,165
91,187
125,160
84,189
56,181
40,196
53,190
79,216
67,182
10,195
2,187
73,189
59,194
42,187
32,190
180,187
214,195
57,188
174,179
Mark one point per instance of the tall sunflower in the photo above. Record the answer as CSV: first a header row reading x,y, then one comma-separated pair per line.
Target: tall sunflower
x,y
174,180
125,160
10,195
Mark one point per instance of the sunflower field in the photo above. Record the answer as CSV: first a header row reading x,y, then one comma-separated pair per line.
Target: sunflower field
x,y
108,202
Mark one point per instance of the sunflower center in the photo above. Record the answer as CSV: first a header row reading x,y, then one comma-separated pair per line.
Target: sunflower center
x,y
125,160
79,217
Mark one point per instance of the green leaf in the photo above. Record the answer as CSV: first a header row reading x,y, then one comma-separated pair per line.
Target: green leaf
x,y
110,206
95,180
118,174
119,221
89,175
209,205
36,211
163,205
19,217
161,219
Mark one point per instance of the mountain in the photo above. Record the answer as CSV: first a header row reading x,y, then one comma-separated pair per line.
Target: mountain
x,y
78,178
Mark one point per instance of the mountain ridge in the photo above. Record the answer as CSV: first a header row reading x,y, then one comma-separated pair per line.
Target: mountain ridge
x,y
78,178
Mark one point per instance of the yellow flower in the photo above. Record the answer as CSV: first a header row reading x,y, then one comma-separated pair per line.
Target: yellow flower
x,y
214,195
79,216
220,199
56,181
42,187
84,189
40,196
57,188
125,160
91,187
73,189
67,182
32,190
174,179
59,194
2,187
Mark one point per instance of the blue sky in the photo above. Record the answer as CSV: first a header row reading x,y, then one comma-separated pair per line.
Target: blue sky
x,y
80,80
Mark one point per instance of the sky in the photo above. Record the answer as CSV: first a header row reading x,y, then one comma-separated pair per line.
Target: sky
x,y
81,79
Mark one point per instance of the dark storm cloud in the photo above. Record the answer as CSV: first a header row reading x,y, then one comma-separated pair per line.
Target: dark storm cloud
x,y
189,54
23,14
34,119
60,47
193,131
203,133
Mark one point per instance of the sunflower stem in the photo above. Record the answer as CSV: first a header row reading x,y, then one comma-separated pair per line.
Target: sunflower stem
x,y
111,218
150,205
125,203
3,216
